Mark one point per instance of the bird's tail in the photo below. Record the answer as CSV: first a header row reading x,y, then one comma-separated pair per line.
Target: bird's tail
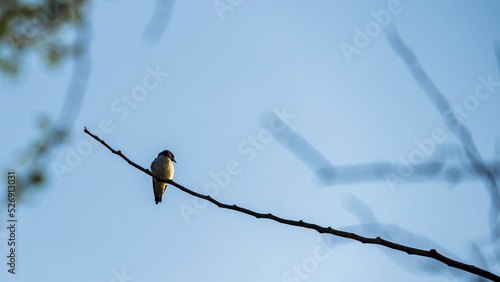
x,y
158,199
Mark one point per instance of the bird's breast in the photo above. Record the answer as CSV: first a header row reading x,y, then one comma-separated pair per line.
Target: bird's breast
x,y
162,167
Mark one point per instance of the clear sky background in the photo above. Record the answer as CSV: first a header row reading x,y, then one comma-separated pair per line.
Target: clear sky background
x,y
97,221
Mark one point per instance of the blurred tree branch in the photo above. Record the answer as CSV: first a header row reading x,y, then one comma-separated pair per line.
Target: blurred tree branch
x,y
456,126
323,230
370,225
162,13
40,28
470,166
434,170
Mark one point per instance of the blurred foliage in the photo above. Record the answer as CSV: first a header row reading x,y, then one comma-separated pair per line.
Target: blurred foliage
x,y
37,26
50,29
34,158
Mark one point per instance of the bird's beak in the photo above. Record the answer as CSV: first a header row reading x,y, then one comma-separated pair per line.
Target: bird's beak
x,y
174,160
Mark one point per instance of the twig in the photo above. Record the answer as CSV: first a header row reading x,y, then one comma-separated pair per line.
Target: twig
x,y
376,241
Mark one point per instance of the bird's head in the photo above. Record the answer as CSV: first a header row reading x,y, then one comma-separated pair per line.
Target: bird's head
x,y
167,154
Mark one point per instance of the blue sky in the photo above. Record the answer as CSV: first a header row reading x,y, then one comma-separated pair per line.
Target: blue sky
x,y
216,75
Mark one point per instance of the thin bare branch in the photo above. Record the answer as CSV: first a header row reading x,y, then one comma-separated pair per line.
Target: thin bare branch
x,y
329,230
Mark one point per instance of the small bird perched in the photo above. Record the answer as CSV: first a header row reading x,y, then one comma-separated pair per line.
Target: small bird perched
x,y
163,168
